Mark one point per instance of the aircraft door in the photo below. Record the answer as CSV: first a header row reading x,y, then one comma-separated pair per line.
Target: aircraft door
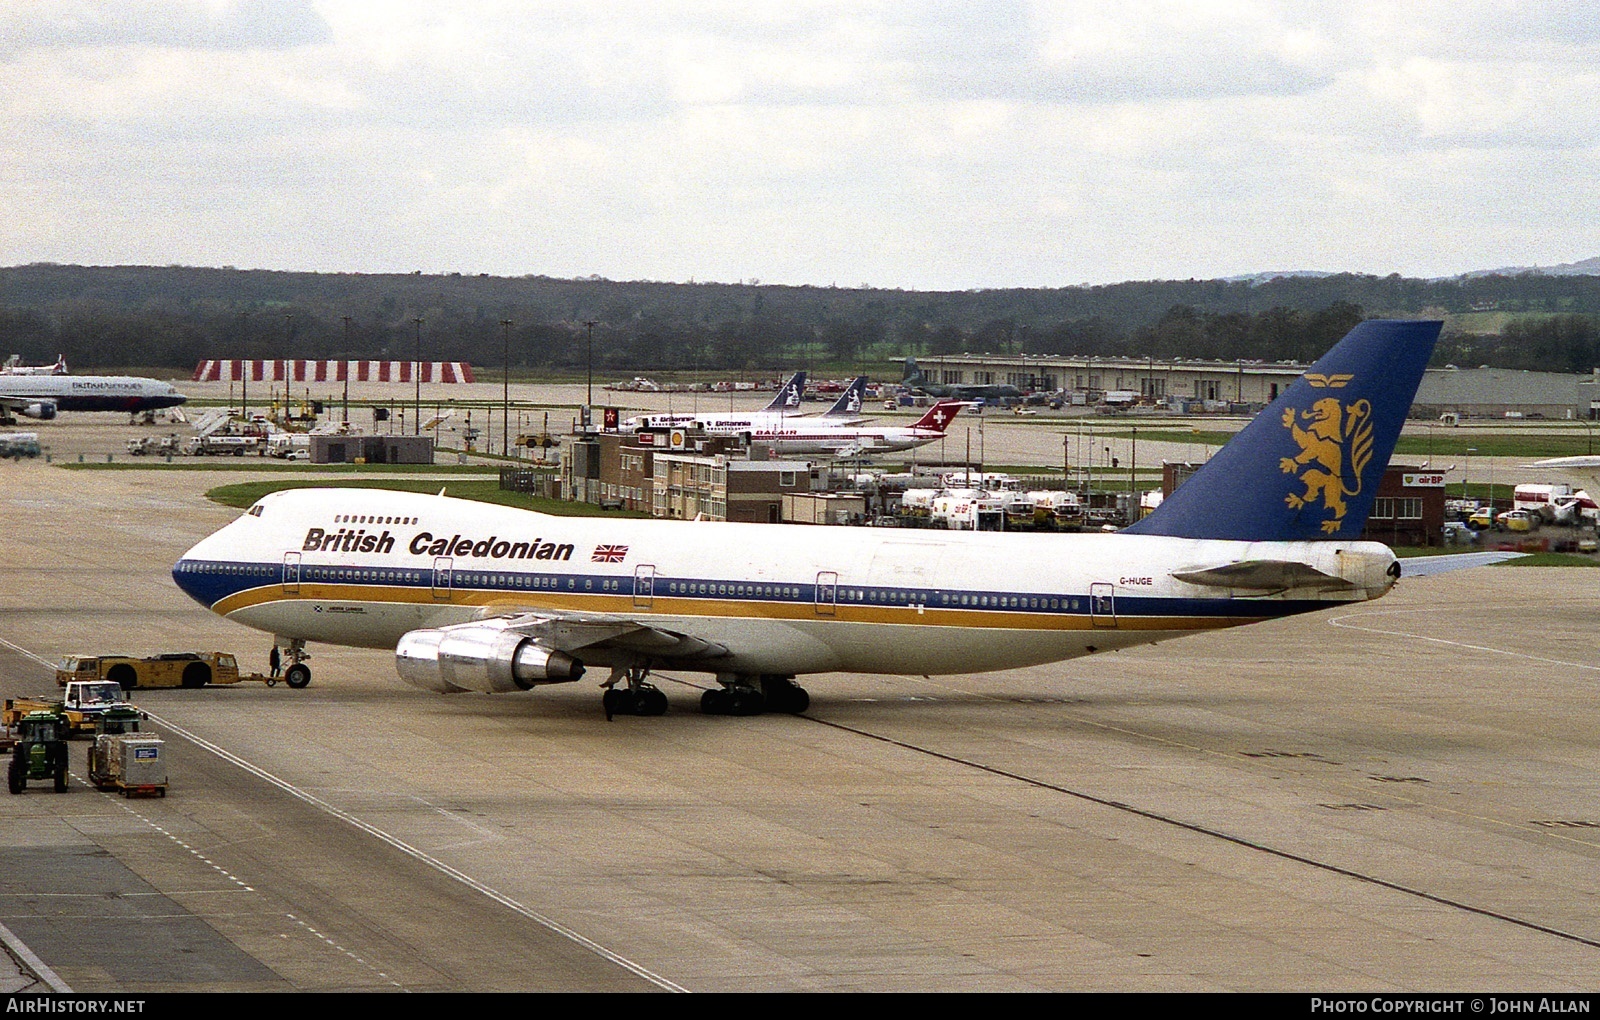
x,y
1102,604
644,585
827,596
291,573
443,568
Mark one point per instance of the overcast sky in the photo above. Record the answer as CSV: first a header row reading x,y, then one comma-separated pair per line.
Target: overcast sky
x,y
897,144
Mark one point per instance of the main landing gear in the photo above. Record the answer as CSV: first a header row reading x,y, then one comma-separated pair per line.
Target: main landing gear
x,y
753,695
740,694
638,698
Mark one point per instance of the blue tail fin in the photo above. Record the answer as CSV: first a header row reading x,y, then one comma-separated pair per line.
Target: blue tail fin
x,y
849,403
788,396
1308,467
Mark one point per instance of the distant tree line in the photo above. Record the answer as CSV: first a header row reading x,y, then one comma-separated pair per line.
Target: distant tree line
x,y
173,317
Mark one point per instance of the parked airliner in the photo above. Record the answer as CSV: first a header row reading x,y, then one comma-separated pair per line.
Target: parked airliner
x,y
475,597
42,396
14,366
784,404
821,437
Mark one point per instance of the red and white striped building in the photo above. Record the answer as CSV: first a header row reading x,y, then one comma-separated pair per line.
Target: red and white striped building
x,y
300,370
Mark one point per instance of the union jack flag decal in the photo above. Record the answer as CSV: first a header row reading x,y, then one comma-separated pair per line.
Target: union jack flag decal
x,y
609,554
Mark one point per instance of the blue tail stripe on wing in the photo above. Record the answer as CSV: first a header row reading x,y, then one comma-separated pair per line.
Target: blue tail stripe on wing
x,y
1315,475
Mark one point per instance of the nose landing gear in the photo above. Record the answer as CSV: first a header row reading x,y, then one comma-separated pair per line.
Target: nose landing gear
x,y
298,674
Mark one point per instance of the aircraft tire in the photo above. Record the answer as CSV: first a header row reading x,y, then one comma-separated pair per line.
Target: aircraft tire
x,y
784,695
297,675
652,702
742,702
714,702
797,702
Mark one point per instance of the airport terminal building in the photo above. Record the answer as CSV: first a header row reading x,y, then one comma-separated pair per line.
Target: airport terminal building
x,y
1193,385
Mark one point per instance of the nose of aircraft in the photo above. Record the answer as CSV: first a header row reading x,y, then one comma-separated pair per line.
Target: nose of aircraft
x,y
185,576
197,574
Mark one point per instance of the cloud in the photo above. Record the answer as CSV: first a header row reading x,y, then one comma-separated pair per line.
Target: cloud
x,y
812,141
188,24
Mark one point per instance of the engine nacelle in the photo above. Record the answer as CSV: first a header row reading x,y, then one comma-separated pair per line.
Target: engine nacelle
x,y
480,657
44,410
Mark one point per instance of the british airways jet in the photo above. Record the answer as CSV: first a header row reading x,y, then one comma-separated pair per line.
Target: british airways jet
x,y
474,597
42,396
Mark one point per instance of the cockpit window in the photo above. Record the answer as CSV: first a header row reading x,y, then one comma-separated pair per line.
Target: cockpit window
x,y
255,511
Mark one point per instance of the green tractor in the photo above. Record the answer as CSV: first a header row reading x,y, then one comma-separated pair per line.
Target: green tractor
x,y
40,751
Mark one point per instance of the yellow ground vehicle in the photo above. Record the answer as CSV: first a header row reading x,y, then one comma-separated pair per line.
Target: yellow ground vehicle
x,y
1518,520
178,669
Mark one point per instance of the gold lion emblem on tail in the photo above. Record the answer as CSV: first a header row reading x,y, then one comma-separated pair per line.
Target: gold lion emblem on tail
x,y
1335,447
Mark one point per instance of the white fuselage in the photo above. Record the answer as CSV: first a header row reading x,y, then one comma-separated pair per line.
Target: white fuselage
x,y
715,424
363,567
89,392
790,434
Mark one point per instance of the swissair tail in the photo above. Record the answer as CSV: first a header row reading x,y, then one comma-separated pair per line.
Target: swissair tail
x,y
940,415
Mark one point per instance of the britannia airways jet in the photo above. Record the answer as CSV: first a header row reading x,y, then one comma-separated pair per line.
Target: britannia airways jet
x,y
784,404
41,396
474,597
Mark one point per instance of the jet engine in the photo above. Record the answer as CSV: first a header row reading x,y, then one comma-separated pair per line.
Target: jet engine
x,y
480,657
44,410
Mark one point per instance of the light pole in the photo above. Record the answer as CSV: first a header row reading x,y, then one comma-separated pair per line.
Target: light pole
x,y
288,341
416,377
588,401
344,370
505,414
1133,466
244,363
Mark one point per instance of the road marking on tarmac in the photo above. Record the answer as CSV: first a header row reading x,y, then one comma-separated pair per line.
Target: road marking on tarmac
x,y
549,924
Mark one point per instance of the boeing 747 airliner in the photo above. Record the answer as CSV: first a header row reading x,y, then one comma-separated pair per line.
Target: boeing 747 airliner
x,y
475,597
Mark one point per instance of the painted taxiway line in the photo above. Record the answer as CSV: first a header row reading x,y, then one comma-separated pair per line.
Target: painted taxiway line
x,y
401,845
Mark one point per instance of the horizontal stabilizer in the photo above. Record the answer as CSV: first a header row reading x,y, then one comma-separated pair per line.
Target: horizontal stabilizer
x,y
1265,575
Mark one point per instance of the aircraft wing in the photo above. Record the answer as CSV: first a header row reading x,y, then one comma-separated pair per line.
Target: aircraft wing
x,y
522,648
578,631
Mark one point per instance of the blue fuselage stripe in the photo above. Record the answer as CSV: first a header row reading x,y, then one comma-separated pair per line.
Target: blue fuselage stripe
x,y
210,581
